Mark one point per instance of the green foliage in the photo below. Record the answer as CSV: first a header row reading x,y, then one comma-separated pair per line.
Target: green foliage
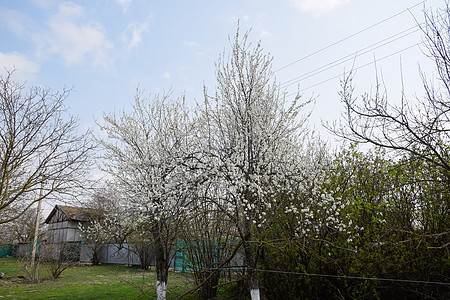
x,y
399,208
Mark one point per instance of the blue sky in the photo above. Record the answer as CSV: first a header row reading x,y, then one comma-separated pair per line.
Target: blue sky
x,y
105,49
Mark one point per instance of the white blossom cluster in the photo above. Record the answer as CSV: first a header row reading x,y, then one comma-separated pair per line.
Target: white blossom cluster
x,y
145,158
245,151
257,152
313,208
244,147
111,227
318,216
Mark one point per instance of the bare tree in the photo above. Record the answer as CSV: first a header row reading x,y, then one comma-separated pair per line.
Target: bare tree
x,y
99,231
420,127
39,143
21,230
102,202
207,242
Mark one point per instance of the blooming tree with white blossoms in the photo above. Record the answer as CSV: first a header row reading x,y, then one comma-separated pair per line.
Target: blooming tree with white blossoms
x,y
144,151
253,144
314,208
247,148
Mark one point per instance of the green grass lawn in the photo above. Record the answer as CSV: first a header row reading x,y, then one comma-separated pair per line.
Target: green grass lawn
x,y
87,282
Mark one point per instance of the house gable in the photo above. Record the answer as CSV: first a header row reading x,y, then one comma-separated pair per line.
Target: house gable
x,y
64,222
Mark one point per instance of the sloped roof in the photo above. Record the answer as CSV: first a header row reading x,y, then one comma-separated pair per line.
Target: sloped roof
x,y
72,213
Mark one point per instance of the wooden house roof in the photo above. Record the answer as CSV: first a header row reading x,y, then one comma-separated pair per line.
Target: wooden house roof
x,y
70,213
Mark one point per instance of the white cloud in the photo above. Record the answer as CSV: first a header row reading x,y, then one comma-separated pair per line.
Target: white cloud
x,y
25,68
264,33
318,7
190,43
72,40
44,3
166,75
125,4
136,31
16,21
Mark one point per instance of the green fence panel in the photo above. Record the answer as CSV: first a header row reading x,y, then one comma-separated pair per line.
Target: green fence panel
x,y
180,260
6,250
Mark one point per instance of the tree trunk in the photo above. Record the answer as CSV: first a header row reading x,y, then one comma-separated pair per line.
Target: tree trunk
x,y
251,260
95,255
253,282
162,266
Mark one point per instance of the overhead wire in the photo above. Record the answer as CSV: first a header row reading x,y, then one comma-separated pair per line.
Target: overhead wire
x,y
243,268
355,277
348,37
354,69
353,55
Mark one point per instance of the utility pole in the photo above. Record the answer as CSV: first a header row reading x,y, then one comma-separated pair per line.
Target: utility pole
x,y
36,228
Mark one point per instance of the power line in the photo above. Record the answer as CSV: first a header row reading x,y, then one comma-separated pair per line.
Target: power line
x,y
353,55
348,37
337,276
355,277
355,69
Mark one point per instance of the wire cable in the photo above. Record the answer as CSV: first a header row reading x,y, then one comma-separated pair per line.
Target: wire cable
x,y
243,268
352,56
355,69
356,277
350,36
